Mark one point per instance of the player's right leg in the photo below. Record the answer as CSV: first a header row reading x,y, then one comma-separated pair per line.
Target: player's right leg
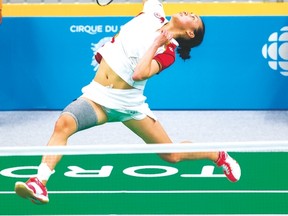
x,y
79,115
34,188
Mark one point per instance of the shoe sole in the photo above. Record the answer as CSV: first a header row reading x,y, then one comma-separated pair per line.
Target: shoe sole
x,y
25,192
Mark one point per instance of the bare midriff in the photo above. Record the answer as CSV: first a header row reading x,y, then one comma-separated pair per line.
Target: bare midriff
x,y
107,77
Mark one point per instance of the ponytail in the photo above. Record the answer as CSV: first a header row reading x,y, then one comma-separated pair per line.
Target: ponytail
x,y
185,45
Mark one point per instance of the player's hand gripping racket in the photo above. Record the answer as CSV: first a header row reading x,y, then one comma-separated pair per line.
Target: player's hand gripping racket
x,y
103,2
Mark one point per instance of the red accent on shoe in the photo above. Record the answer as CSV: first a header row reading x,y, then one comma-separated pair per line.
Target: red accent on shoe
x,y
230,167
39,183
33,190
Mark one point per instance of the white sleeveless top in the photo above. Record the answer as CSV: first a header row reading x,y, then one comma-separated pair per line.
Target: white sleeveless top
x,y
126,49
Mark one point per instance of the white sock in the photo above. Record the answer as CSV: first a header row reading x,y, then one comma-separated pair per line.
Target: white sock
x,y
44,172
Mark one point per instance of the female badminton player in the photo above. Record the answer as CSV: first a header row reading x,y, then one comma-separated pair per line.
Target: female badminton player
x,y
145,46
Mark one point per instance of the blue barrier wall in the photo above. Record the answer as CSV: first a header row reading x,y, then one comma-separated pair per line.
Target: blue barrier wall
x,y
242,64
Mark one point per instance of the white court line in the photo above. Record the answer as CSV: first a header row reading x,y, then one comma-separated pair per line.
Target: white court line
x,y
169,214
163,192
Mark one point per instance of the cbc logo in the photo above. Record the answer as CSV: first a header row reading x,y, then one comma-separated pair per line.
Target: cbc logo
x,y
276,51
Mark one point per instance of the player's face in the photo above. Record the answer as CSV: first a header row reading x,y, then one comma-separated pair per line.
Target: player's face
x,y
186,20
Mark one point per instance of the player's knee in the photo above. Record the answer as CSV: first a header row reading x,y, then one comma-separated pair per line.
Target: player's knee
x,y
170,157
65,125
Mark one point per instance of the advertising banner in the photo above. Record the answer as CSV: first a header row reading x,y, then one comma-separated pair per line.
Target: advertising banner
x,y
242,63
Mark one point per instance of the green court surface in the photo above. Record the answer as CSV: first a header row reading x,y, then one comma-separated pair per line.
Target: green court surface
x,y
144,184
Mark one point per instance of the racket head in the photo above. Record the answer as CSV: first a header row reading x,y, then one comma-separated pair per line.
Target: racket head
x,y
103,3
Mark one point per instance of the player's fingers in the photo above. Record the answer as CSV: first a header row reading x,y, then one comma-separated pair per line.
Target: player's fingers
x,y
167,34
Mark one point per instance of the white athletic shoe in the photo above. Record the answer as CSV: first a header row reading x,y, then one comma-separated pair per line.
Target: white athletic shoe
x,y
33,190
230,166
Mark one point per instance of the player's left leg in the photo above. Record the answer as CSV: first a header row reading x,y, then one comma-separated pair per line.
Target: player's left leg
x,y
151,131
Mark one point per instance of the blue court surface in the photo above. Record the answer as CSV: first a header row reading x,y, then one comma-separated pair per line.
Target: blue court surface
x,y
143,184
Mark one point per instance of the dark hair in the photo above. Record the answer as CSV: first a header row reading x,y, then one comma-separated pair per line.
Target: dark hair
x,y
185,45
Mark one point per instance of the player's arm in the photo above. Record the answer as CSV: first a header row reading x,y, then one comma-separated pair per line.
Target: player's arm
x,y
155,1
143,1
148,66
